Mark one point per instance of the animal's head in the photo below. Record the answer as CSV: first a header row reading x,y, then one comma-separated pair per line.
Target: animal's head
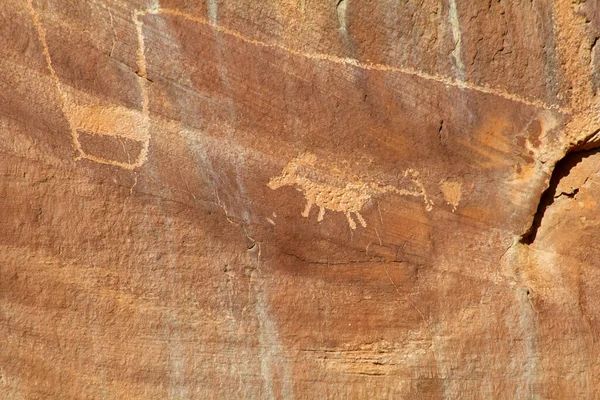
x,y
290,171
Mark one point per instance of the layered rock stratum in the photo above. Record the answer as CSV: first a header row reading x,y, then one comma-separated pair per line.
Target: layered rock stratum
x,y
299,199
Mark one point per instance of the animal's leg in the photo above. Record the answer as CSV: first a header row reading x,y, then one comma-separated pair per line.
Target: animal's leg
x,y
306,211
360,219
350,220
321,213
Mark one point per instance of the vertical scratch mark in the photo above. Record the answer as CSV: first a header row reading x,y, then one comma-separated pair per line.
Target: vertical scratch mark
x,y
527,321
176,356
115,36
135,181
432,347
378,237
380,216
212,10
125,151
213,16
456,35
266,350
341,8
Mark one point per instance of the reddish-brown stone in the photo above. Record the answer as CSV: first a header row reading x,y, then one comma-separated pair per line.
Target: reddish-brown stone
x,y
298,199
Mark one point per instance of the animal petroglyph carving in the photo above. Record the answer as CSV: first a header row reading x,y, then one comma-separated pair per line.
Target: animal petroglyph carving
x,y
332,193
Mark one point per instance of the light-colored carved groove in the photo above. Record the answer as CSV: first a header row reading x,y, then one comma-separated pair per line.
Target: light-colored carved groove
x,y
447,81
142,120
98,119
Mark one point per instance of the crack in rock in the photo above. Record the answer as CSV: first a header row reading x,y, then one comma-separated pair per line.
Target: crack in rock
x,y
562,168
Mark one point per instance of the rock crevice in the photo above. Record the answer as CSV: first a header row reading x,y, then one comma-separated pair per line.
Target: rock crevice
x,y
588,148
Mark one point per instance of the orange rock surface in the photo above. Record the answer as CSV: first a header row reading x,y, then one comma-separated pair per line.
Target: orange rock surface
x,y
299,199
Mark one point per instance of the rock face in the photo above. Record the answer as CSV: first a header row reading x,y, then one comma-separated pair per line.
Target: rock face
x,y
299,199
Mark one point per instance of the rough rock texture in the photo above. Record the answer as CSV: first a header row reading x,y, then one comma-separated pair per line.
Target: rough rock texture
x,y
299,199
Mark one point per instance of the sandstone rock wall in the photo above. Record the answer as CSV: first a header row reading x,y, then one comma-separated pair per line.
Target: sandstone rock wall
x,y
299,199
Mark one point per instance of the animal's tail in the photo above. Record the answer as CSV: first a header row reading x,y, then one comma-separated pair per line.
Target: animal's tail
x,y
418,189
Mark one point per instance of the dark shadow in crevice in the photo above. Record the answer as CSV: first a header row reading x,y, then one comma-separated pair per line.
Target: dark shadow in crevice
x,y
561,170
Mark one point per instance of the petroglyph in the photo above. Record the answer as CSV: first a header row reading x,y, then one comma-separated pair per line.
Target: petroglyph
x,y
452,192
86,114
135,125
333,193
102,120
444,80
